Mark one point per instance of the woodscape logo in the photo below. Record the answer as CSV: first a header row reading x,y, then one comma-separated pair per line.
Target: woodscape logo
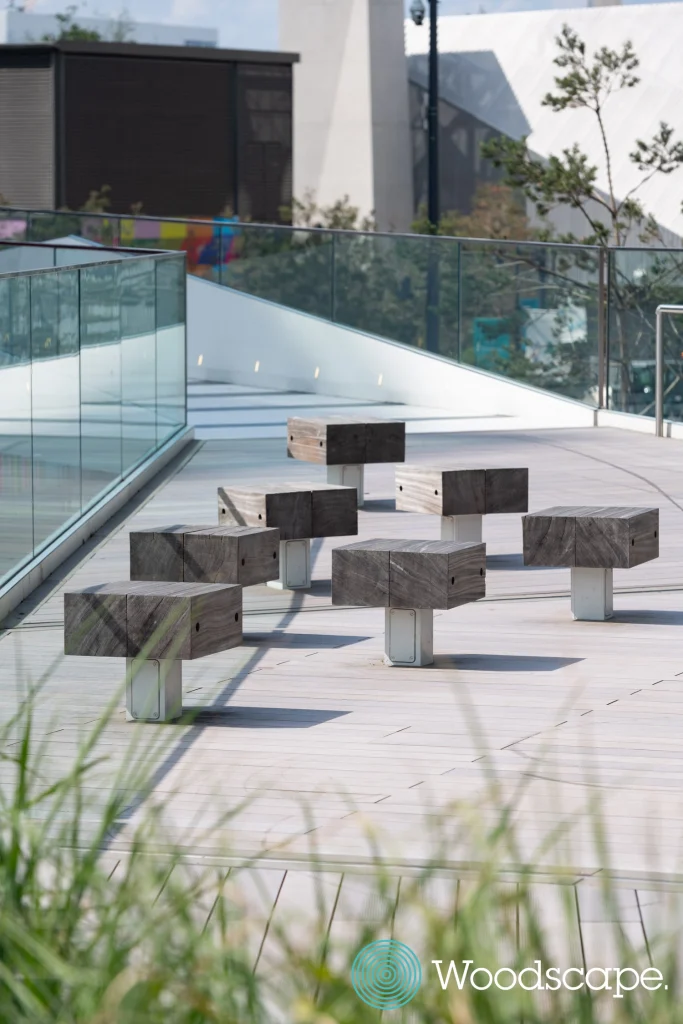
x,y
386,974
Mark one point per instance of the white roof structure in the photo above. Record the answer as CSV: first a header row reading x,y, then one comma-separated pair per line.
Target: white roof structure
x,y
523,44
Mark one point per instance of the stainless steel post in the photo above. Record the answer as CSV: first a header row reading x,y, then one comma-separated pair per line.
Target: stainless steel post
x,y
659,374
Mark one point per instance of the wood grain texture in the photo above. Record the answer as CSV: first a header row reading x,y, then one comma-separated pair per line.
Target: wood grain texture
x,y
95,623
332,442
284,506
157,554
644,537
408,573
247,555
441,492
591,536
307,439
163,620
419,489
159,624
507,490
461,492
549,537
385,441
215,621
360,574
436,574
466,574
334,511
340,441
616,537
153,620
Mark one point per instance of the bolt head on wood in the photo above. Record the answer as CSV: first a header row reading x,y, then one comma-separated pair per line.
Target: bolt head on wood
x,y
299,511
338,441
591,537
140,619
206,554
408,574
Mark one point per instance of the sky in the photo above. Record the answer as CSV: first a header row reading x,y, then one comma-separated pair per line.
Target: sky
x,y
250,24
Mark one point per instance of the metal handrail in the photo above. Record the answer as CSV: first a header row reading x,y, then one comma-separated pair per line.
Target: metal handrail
x,y
662,310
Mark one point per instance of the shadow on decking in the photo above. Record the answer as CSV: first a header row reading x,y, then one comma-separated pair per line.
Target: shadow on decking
x,y
379,505
502,662
262,718
650,616
513,561
296,640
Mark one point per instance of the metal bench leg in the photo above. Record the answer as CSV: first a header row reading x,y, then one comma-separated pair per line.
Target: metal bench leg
x,y
592,594
348,476
462,529
154,690
295,566
409,636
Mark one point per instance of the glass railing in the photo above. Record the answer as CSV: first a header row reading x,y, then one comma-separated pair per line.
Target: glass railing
x,y
567,318
92,382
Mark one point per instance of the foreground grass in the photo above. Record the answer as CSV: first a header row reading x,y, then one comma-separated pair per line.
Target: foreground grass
x,y
159,940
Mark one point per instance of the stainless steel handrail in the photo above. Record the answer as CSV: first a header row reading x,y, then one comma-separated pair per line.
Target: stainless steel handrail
x,y
660,312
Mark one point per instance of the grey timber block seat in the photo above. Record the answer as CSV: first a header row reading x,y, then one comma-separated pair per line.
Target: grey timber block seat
x,y
299,511
409,579
346,445
247,555
155,627
591,541
462,496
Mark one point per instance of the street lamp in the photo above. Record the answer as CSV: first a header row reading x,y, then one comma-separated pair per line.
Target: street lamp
x,y
417,13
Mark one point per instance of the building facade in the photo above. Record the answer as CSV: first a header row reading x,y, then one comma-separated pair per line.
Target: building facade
x,y
361,98
351,114
181,131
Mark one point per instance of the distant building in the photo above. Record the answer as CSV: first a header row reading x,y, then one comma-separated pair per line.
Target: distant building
x,y
360,106
351,116
498,68
185,131
23,27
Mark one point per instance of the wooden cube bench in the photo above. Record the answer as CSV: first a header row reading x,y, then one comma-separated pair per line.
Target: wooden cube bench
x,y
155,627
591,541
461,496
247,555
299,512
408,578
345,445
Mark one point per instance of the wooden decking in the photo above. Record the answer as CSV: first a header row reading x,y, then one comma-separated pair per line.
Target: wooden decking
x,y
335,753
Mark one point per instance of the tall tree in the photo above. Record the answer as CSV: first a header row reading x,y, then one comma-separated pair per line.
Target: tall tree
x,y
570,179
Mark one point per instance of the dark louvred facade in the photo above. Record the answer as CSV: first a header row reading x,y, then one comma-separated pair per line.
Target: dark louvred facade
x,y
185,132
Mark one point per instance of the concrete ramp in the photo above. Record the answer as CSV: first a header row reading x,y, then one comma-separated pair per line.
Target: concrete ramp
x,y
238,339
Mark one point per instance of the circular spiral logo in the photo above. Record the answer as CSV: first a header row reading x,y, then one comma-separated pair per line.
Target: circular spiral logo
x,y
386,974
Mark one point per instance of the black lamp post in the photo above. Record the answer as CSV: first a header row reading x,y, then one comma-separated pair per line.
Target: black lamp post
x,y
417,13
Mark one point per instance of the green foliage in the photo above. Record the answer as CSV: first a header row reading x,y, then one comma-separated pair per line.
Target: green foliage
x,y
70,30
81,943
569,179
496,213
98,201
340,215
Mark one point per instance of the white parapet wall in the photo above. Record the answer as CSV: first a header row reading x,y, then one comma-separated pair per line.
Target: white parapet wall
x,y
239,339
